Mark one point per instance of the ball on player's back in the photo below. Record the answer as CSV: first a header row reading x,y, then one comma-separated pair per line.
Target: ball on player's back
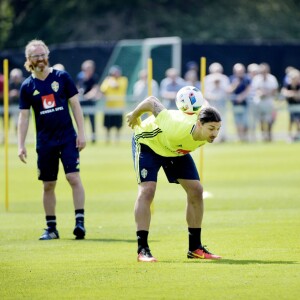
x,y
189,99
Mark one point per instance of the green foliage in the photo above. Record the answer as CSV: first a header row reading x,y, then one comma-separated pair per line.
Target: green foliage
x,y
6,21
209,21
252,220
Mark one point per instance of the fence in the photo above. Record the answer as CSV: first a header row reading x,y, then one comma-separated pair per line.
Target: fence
x,y
280,126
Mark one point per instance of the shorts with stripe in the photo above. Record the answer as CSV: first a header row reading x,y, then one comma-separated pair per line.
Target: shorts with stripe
x,y
147,164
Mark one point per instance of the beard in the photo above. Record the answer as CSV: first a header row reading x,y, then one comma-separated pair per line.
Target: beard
x,y
211,139
40,65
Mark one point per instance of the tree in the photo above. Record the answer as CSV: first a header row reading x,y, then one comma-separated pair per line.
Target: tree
x,y
107,20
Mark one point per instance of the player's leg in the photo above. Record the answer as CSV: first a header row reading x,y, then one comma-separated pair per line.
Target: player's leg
x,y
146,164
49,202
78,194
49,198
70,161
142,211
194,217
195,205
48,162
183,170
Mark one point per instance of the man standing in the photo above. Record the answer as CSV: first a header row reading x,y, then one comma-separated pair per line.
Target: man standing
x,y
49,92
114,89
164,140
87,83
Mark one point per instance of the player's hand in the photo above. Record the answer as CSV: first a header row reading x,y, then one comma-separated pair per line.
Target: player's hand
x,y
132,120
80,142
22,154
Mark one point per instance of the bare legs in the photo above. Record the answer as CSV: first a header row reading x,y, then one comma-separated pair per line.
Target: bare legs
x,y
49,198
194,209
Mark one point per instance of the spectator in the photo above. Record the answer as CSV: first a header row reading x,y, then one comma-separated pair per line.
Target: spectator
x,y
114,88
169,87
15,81
59,67
87,84
252,70
286,78
265,87
239,89
216,93
191,78
291,92
140,88
192,65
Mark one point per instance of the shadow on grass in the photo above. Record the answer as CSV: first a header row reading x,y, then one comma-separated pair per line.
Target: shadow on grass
x,y
105,240
246,262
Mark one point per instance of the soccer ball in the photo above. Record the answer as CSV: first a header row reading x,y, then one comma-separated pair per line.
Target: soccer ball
x,y
189,99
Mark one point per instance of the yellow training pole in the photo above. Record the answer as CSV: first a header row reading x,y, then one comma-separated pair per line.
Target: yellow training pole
x,y
6,120
202,75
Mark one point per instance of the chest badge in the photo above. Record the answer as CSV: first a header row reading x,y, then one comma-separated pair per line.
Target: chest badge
x,y
55,86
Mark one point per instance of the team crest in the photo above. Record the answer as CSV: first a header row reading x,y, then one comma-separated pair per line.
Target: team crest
x,y
144,173
55,86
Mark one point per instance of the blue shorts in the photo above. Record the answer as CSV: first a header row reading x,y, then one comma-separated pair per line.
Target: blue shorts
x,y
240,113
49,156
147,164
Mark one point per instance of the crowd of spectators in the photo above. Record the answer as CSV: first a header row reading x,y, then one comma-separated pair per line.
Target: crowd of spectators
x,y
250,94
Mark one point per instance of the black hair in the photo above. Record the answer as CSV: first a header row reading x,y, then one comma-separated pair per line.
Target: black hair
x,y
209,114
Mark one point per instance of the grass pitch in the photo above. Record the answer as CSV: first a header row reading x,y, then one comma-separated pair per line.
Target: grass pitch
x,y
252,221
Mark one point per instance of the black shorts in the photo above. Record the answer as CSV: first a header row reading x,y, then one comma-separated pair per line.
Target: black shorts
x,y
113,121
147,164
49,156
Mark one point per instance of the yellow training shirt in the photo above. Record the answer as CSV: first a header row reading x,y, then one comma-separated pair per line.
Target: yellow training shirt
x,y
169,134
114,90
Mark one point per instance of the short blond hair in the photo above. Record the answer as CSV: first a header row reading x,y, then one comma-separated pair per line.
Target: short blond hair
x,y
28,51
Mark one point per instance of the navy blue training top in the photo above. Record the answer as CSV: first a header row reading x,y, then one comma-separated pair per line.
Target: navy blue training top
x,y
49,100
244,82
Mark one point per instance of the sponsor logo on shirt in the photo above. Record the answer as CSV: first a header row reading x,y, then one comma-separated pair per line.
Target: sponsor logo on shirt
x,y
182,151
49,105
48,101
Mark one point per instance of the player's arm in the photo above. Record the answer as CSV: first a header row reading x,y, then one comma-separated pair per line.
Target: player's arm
x,y
23,124
78,116
93,94
150,104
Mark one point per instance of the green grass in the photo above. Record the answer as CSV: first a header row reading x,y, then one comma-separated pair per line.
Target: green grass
x,y
252,221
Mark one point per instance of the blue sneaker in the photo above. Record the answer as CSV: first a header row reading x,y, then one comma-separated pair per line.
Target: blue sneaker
x,y
50,234
79,231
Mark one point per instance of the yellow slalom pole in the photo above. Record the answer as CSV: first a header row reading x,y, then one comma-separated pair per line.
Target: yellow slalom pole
x,y
6,120
202,75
